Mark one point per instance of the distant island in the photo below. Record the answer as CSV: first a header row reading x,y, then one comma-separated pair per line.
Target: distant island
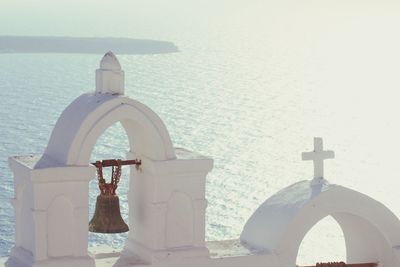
x,y
36,44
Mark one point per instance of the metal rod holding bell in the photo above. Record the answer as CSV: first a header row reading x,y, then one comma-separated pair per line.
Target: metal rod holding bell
x,y
107,216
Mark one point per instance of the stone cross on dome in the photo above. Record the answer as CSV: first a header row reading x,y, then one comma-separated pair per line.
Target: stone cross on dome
x,y
318,156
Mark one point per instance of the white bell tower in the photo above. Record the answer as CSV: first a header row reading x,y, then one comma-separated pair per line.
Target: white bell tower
x,y
166,196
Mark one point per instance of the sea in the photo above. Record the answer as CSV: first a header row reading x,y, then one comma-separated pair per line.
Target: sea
x,y
250,87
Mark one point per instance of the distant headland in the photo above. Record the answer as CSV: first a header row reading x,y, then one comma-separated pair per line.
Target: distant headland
x,y
42,44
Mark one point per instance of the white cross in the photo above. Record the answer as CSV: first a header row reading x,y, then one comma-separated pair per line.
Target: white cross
x,y
318,156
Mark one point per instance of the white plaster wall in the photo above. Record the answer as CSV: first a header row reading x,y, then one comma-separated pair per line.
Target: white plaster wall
x,y
182,260
17,203
53,214
167,205
60,226
363,240
180,221
155,211
23,205
26,223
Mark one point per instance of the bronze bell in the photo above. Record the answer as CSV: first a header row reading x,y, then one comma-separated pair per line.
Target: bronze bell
x,y
107,216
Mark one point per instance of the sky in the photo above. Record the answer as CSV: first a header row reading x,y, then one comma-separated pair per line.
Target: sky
x,y
146,18
99,18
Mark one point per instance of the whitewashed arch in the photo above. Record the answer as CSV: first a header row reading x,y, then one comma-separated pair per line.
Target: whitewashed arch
x,y
85,119
54,214
371,231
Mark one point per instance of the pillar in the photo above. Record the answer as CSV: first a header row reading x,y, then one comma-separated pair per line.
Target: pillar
x,y
167,207
51,214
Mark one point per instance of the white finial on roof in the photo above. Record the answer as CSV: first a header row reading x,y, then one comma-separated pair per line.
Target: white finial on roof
x,y
318,156
110,76
110,62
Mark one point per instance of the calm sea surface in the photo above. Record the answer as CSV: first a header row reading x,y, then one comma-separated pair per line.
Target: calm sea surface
x,y
249,88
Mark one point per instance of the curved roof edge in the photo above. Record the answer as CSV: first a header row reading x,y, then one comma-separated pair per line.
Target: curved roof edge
x,y
287,216
84,114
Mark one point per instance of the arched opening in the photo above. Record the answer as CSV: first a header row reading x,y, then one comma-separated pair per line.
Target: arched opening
x,y
324,242
84,120
112,144
370,230
72,146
